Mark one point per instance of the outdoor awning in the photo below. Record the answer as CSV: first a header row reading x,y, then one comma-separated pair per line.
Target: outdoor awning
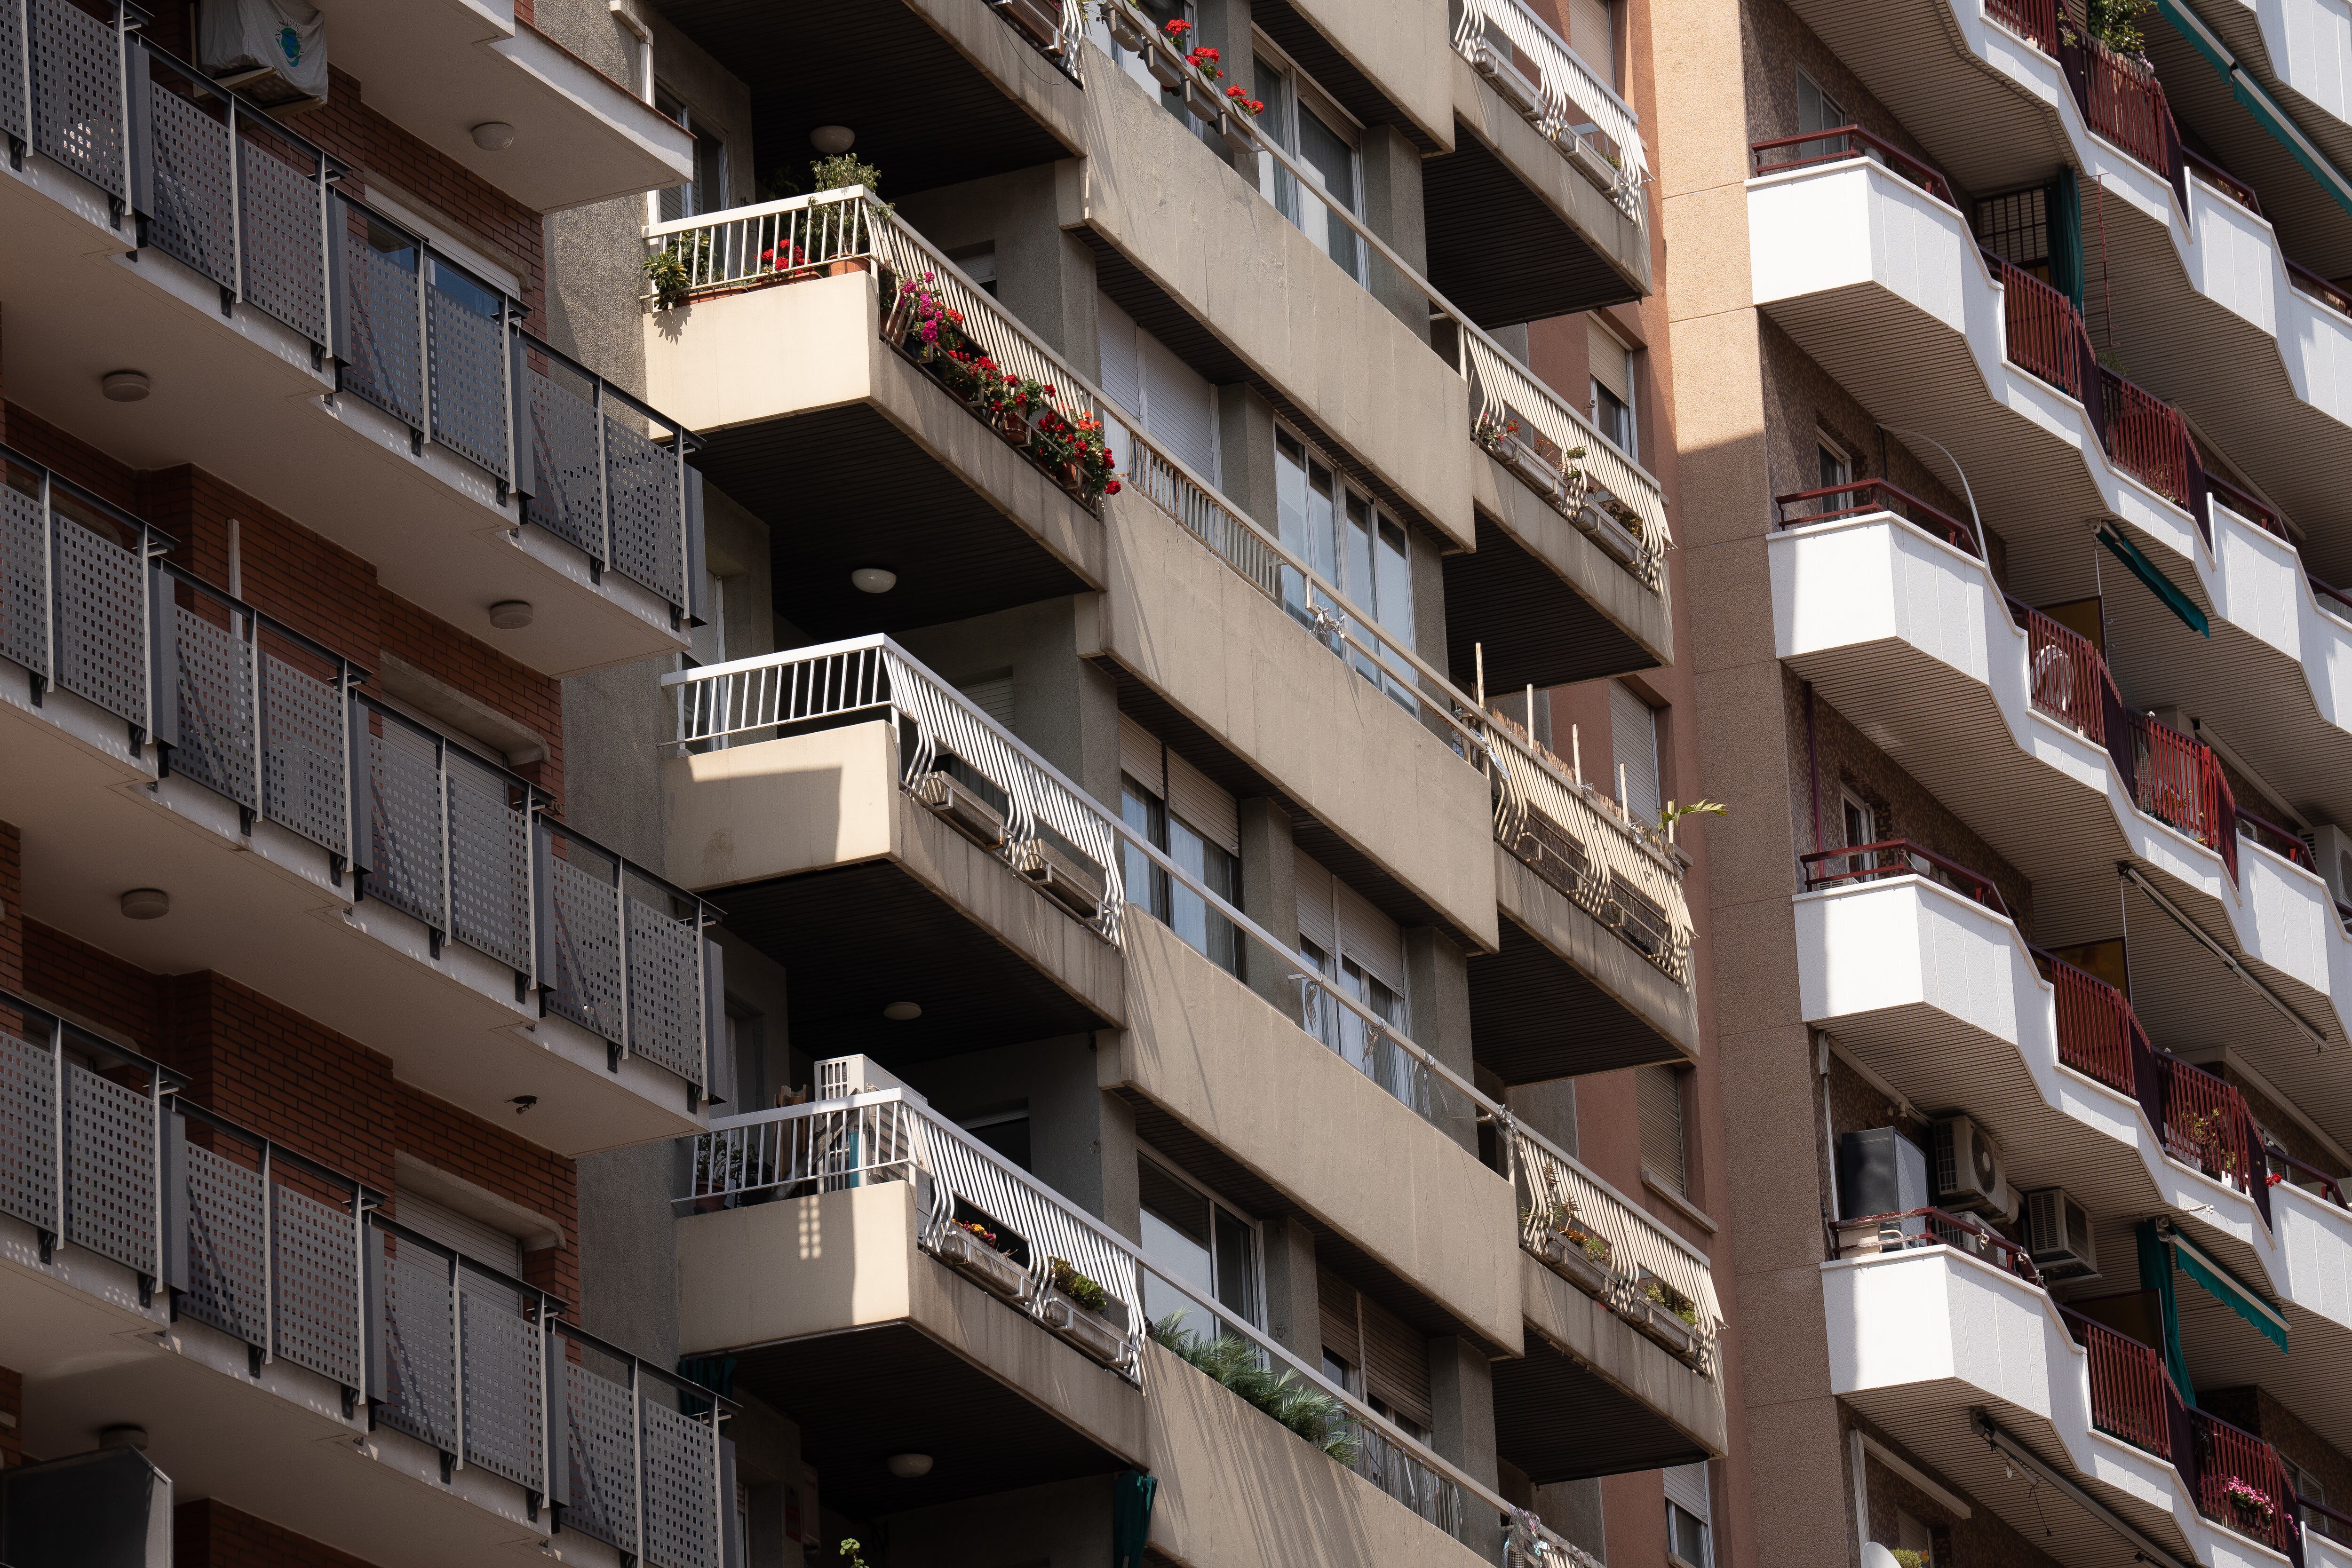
x,y
2146,570
2268,115
2225,1289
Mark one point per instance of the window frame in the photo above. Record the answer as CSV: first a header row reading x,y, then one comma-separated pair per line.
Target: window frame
x,y
1285,134
1631,401
1397,673
1218,1205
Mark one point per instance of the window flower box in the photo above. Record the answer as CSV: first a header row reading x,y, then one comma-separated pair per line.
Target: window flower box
x,y
1503,73
1569,1254
974,1259
1060,877
1201,100
1167,71
1094,1333
956,805
1591,161
1039,20
1127,30
1663,1326
1240,136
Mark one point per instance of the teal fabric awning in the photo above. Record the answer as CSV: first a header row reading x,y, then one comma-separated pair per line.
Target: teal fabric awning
x,y
2155,1274
2257,103
2225,1288
2153,577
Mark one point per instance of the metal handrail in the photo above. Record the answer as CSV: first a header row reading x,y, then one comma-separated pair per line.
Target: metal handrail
x,y
1863,497
2237,190
2310,283
1560,1189
2330,1187
2279,840
1855,142
1905,852
2016,1258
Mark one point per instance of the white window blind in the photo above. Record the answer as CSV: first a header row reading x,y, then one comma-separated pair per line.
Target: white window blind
x,y
1122,362
1686,1485
1315,924
1143,376
1658,1094
1633,737
1140,756
1389,1359
1593,33
992,695
1368,936
1612,365
462,1234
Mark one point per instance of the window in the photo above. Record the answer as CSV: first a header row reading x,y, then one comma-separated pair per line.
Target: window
x,y
1836,467
1375,1356
1861,826
1211,1247
1658,1099
1318,134
1179,810
1612,386
1633,746
979,264
1593,33
1159,12
1912,1534
707,192
1004,1129
474,1240
1351,544
1817,110
2015,226
1177,406
1689,1517
1360,952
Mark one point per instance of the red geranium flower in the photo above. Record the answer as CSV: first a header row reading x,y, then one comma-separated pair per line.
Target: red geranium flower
x,y
1179,27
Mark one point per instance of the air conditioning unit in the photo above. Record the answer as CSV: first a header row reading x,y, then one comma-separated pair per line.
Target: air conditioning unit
x,y
2331,847
2058,1235
839,1077
1969,1171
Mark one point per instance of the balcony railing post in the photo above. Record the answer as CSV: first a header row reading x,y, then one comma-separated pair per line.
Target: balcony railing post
x,y
58,1129
56,632
268,1257
458,1357
448,845
604,479
637,1456
620,930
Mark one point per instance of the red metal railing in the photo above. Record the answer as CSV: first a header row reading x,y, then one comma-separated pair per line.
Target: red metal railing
x,y
2337,594
1866,496
2181,784
1783,153
1895,857
2068,679
1939,1227
2098,1033
2149,440
2123,101
2319,289
2244,505
2231,1454
2318,1180
2037,20
2277,840
2237,190
2207,1124
2046,332
2132,1395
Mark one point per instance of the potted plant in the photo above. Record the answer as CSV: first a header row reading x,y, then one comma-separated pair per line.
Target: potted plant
x,y
1574,1252
975,1249
1668,1316
2253,1506
1077,1308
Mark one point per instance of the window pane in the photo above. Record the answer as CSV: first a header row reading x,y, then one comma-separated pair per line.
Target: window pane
x,y
1147,884
1176,1231
1333,159
1290,516
1008,1135
1237,1266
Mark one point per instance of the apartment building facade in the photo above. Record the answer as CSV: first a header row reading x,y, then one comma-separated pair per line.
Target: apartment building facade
x,y
2002,333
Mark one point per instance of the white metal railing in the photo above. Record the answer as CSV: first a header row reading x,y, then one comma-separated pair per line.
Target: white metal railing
x,y
1569,103
1557,1190
1585,844
891,1135
717,703
1580,473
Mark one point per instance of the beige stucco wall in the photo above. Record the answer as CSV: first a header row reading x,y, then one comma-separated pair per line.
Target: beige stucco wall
x,y
1223,1062
1239,1490
1234,662
845,1261
771,353
1608,1346
1505,132
1204,236
1006,58
1402,45
809,803
1595,952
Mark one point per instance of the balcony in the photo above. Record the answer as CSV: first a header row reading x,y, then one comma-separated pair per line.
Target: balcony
x,y
1944,1339
2018,730
2306,78
294,341
1541,208
2188,244
1851,255
293,1353
322,849
1594,926
438,70
1622,1326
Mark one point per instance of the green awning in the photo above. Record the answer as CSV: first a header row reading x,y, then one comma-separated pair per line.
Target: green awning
x,y
2179,603
2226,1290
2267,115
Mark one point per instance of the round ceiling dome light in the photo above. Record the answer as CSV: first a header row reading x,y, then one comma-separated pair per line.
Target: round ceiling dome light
x,y
146,903
493,136
830,139
910,1467
874,578
125,386
903,1012
510,614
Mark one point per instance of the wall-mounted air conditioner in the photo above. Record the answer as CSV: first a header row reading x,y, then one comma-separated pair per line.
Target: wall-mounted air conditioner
x,y
2058,1235
1967,1170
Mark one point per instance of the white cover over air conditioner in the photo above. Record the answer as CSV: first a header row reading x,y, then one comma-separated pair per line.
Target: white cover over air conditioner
x,y
276,50
839,1077
1968,1172
2331,847
2058,1235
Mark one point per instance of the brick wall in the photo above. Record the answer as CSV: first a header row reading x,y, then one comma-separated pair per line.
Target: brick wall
x,y
491,1157
211,1534
12,1417
318,588
12,908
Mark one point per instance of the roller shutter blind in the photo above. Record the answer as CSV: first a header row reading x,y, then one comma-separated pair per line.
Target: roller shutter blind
x,y
1633,745
1201,803
1659,1093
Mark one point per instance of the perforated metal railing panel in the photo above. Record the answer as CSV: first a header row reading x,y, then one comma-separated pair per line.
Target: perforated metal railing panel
x,y
380,319
490,863
28,1132
227,1248
102,643
77,93
567,490
469,380
420,1349
24,579
601,1450
506,1416
278,232
641,478
195,211
407,867
216,698
681,1491
585,940
302,753
665,990
110,1149
14,111
317,1320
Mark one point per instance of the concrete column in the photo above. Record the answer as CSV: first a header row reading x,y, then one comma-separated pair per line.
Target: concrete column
x,y
1044,275
1270,897
1393,210
1245,433
1461,1405
1122,1201
1428,607
1573,1508
1293,1313
1063,706
1437,982
1547,1108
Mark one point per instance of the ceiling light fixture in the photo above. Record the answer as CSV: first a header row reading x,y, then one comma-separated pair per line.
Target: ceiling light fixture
x,y
830,139
493,136
903,1012
146,903
125,386
510,614
910,1467
874,578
